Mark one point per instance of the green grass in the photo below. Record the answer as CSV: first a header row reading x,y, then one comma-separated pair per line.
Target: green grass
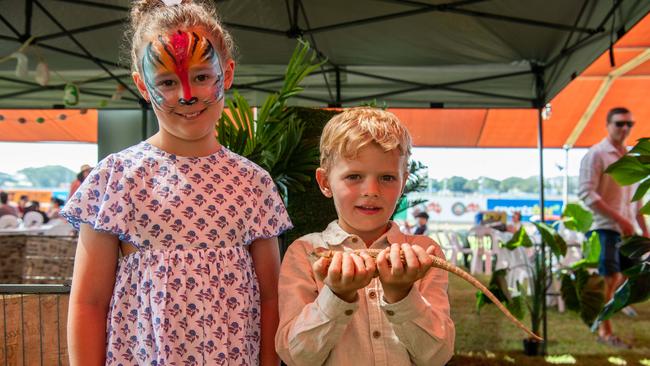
x,y
491,339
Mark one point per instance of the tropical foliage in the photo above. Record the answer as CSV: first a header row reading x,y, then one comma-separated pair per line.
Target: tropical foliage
x,y
632,168
272,135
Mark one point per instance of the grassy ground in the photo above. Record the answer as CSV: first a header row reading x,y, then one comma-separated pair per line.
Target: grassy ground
x,y
490,339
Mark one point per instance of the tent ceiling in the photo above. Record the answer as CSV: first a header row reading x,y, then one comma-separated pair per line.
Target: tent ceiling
x,y
472,53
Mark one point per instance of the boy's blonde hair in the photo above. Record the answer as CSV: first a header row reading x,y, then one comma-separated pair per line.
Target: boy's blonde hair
x,y
348,132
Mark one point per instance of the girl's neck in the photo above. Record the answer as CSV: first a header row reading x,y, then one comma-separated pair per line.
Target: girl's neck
x,y
204,146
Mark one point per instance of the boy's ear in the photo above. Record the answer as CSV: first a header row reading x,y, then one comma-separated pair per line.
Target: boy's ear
x,y
137,79
323,183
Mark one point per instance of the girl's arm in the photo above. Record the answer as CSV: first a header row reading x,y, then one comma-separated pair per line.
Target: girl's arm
x,y
266,259
92,286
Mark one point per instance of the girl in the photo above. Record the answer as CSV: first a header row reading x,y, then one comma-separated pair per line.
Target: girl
x,y
196,223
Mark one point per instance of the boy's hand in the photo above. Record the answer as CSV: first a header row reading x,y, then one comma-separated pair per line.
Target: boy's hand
x,y
345,273
396,277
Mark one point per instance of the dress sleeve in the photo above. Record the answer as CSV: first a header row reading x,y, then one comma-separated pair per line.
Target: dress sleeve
x,y
270,217
103,202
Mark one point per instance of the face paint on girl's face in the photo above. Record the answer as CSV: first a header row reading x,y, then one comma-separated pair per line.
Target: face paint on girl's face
x,y
186,60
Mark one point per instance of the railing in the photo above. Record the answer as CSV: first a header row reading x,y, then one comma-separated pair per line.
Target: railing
x,y
33,313
33,320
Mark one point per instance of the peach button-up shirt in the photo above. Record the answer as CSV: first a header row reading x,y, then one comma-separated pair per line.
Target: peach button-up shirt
x,y
318,328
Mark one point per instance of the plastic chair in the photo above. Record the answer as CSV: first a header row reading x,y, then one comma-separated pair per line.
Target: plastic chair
x,y
60,228
483,242
456,248
9,222
32,218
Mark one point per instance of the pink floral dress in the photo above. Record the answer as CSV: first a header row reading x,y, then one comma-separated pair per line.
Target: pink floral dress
x,y
189,295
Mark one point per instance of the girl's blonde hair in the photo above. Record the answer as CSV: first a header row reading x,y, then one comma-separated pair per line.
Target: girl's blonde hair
x,y
348,132
154,17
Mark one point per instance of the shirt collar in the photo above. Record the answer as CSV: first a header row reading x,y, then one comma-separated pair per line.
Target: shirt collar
x,y
334,235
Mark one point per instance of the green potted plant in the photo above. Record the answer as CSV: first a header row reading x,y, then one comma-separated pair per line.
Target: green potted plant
x,y
632,168
529,296
273,137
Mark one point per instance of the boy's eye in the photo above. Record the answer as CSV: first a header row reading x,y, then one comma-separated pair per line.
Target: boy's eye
x,y
353,177
389,178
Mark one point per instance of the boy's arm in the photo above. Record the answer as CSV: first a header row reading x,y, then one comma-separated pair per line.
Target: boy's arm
x,y
266,260
421,320
311,321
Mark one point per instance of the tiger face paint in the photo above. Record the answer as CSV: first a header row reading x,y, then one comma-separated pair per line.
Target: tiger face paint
x,y
182,69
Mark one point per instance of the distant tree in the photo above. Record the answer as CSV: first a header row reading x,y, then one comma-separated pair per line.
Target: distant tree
x,y
509,184
48,176
490,184
435,185
456,184
6,178
472,185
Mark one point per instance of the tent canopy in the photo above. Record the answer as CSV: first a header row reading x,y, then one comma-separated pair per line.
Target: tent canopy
x,y
439,53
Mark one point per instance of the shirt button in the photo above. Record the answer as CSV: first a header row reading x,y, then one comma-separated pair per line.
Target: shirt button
x,y
354,240
376,334
349,312
372,294
390,312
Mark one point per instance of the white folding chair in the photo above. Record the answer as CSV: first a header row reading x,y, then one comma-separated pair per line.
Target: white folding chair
x,y
456,247
9,222
483,241
60,228
32,218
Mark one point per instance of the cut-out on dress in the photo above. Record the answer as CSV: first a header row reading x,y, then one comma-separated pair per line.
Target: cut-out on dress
x,y
189,294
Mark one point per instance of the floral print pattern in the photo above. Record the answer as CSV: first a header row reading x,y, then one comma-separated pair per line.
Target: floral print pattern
x,y
189,294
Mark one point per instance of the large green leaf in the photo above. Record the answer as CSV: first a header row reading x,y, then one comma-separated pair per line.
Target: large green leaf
x,y
519,239
552,239
592,297
641,190
498,286
576,218
583,293
645,209
635,246
642,147
628,170
634,290
591,253
569,292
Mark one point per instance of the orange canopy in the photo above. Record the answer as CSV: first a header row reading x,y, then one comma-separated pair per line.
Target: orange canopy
x,y
32,125
577,114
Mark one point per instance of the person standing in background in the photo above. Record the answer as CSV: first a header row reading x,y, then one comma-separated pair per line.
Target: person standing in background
x,y
614,211
83,173
5,208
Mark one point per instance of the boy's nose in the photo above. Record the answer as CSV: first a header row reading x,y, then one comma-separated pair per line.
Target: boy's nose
x,y
371,189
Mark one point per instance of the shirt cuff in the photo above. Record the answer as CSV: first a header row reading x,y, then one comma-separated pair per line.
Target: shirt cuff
x,y
333,307
406,309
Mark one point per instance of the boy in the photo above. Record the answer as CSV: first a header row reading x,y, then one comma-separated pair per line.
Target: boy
x,y
334,311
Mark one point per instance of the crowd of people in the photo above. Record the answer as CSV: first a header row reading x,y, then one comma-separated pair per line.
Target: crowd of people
x,y
25,205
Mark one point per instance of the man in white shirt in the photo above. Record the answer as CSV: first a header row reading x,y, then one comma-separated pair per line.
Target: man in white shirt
x,y
614,211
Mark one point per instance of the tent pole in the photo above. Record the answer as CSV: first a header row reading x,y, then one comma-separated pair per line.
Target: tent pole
x,y
540,102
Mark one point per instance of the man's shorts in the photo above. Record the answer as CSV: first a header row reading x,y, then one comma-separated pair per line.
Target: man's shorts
x,y
611,261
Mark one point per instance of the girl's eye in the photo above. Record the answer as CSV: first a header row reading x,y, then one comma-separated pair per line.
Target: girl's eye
x,y
166,83
203,77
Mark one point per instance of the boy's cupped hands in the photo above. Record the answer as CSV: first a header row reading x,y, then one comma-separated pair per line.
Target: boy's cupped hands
x,y
345,273
398,267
